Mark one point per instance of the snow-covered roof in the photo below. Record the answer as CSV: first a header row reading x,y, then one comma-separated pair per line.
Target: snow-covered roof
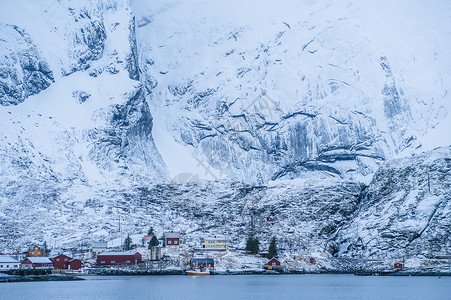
x,y
172,235
119,253
40,260
7,259
216,238
31,247
148,237
99,245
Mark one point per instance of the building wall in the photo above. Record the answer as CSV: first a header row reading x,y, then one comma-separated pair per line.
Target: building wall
x,y
99,250
202,265
113,260
37,251
61,261
74,265
172,241
27,264
8,265
216,244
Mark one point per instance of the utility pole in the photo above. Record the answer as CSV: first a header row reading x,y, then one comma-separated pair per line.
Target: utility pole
x,y
429,182
120,230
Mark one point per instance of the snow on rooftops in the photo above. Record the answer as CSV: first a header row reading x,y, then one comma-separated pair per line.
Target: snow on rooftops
x,y
172,235
7,259
217,238
119,253
39,260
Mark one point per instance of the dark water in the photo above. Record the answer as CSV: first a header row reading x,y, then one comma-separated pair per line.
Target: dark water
x,y
234,287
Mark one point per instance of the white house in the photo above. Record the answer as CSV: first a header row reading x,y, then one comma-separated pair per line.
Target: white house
x,y
8,263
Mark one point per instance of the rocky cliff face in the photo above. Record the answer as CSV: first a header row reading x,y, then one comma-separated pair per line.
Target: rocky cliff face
x,y
394,216
88,118
23,71
295,90
405,211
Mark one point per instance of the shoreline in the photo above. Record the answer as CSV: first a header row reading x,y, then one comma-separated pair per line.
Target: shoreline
x,y
38,278
269,272
43,278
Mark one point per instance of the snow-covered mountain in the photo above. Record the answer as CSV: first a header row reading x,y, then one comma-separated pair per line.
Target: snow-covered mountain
x,y
264,90
290,106
88,118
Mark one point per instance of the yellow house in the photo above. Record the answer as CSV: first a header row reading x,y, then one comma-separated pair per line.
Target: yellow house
x,y
99,247
216,243
37,250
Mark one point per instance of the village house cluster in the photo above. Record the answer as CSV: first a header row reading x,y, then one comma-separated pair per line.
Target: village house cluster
x,y
39,258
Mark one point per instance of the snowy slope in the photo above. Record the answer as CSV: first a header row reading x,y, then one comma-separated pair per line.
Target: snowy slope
x,y
405,211
263,90
86,117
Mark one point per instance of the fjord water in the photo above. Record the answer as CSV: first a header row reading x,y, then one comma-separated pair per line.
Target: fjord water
x,y
234,287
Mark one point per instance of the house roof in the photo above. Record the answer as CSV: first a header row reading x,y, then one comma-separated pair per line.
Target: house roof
x,y
202,260
118,253
100,245
39,260
273,259
58,255
172,235
148,237
31,247
216,238
7,259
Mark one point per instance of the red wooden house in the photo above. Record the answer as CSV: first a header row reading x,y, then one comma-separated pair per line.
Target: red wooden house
x,y
312,260
273,263
200,263
118,258
33,262
60,261
398,265
172,239
64,262
74,264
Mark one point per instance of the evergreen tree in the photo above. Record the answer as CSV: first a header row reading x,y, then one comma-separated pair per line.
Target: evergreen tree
x,y
128,243
256,246
272,250
249,241
252,244
154,242
150,232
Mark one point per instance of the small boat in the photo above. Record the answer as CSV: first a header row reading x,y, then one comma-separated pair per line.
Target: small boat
x,y
205,271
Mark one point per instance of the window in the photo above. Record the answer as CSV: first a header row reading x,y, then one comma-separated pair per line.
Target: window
x,y
65,259
15,266
127,261
175,242
39,252
1,266
102,262
273,264
57,259
113,261
169,242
